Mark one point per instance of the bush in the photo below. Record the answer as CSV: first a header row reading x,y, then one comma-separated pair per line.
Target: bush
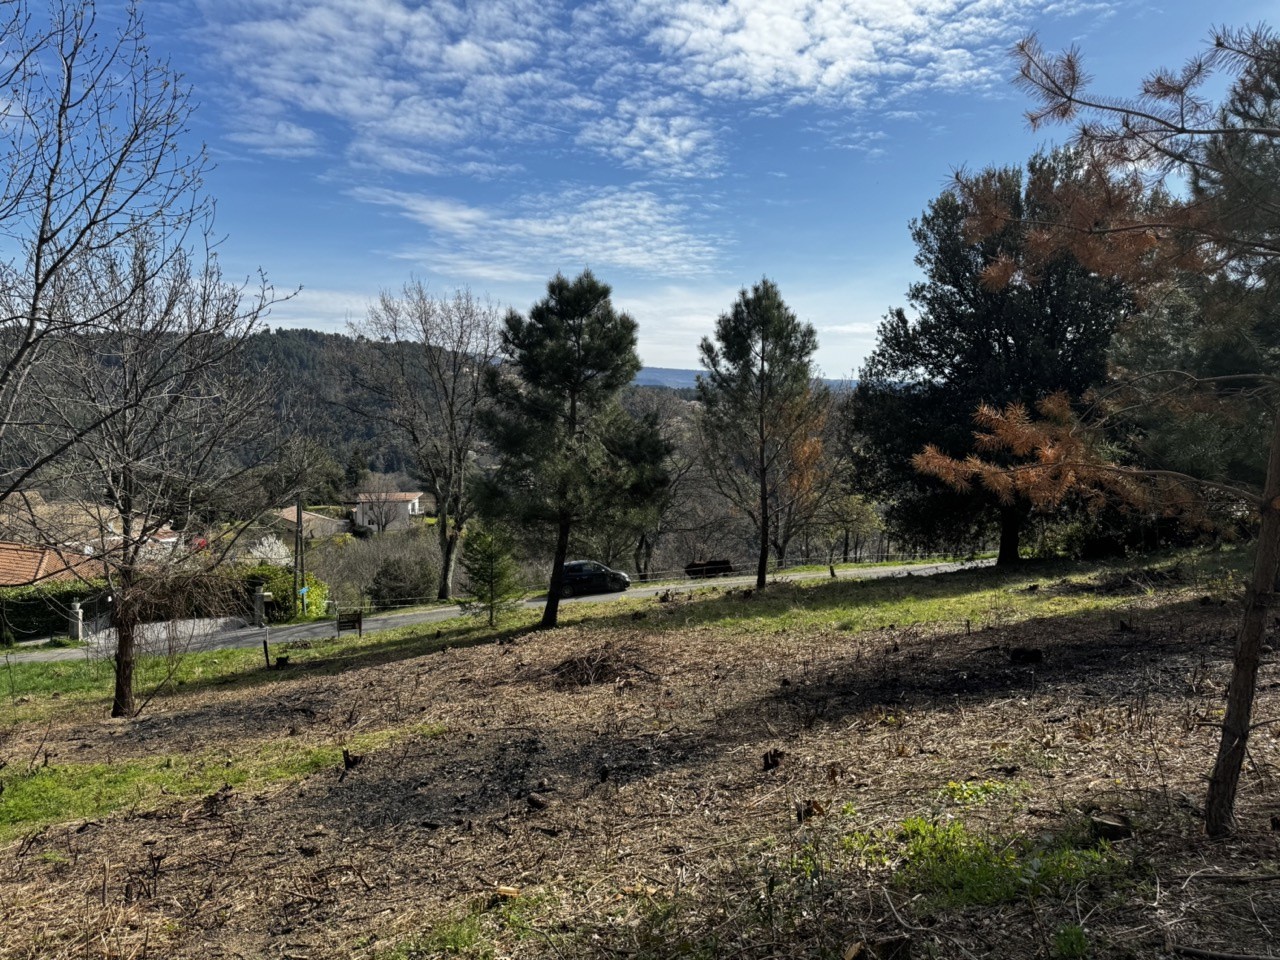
x,y
350,565
402,580
278,581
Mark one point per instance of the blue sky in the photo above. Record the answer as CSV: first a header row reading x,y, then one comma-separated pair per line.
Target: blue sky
x,y
680,148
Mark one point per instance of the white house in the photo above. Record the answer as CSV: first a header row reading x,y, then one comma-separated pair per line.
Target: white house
x,y
388,510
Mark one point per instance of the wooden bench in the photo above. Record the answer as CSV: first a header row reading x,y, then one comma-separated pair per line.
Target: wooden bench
x,y
351,620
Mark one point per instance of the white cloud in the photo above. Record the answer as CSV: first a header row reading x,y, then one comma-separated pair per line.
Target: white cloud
x,y
846,52
673,318
319,309
391,72
640,82
278,138
662,134
628,228
448,216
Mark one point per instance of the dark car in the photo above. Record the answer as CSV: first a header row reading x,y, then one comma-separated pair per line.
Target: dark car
x,y
587,576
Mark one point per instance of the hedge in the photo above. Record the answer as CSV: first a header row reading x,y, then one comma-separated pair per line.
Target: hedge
x,y
41,610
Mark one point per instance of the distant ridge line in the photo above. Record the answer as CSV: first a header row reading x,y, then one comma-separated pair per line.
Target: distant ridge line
x,y
677,379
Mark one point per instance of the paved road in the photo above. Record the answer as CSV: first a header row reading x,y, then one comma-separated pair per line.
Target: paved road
x,y
253,636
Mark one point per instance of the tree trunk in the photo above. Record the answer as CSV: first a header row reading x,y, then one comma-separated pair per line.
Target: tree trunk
x,y
122,702
762,564
449,535
643,557
551,611
1010,528
448,564
1220,803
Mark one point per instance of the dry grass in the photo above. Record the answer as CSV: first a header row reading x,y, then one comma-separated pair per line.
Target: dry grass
x,y
628,791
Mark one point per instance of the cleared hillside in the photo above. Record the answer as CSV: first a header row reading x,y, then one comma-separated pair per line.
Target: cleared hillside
x,y
972,764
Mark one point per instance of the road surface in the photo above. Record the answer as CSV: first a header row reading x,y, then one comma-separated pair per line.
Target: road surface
x,y
253,636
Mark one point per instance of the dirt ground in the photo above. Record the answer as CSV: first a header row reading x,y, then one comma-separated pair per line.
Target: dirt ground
x,y
620,792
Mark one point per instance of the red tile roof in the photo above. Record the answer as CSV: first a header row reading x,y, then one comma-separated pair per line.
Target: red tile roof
x,y
22,565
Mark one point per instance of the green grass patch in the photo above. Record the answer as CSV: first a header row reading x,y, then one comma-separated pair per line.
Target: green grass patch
x,y
970,793
58,643
34,692
980,597
475,933
952,866
61,792
1070,943
461,935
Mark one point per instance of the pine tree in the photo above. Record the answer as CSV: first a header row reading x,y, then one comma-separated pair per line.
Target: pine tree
x,y
492,576
1229,225
1042,328
762,411
567,451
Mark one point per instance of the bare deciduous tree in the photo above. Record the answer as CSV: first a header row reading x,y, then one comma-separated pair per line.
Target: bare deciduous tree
x,y
175,467
90,161
423,369
379,502
118,336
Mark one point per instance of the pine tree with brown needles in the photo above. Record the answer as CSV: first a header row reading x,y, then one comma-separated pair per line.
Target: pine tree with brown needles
x,y
1119,222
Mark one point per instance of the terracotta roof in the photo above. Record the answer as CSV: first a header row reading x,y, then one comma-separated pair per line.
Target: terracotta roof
x,y
22,566
290,515
30,517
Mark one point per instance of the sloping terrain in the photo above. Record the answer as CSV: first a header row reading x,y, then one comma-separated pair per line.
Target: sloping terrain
x,y
1013,771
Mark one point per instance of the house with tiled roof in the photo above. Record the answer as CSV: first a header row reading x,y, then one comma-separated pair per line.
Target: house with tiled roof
x,y
313,524
22,565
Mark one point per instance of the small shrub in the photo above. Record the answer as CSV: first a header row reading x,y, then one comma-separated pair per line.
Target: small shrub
x,y
492,575
278,581
1070,943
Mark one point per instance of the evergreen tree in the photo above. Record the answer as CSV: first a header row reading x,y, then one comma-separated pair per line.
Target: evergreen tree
x,y
492,575
567,452
1229,153
762,411
995,325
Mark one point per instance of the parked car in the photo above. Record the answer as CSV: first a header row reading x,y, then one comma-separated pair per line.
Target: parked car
x,y
587,576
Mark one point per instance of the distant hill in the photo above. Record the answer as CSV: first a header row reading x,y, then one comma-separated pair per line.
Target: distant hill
x,y
677,379
666,377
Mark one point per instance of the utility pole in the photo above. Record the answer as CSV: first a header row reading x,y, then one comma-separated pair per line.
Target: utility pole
x,y
298,580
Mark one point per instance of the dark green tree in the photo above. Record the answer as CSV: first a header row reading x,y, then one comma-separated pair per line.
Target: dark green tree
x,y
763,411
994,324
493,578
566,450
356,471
